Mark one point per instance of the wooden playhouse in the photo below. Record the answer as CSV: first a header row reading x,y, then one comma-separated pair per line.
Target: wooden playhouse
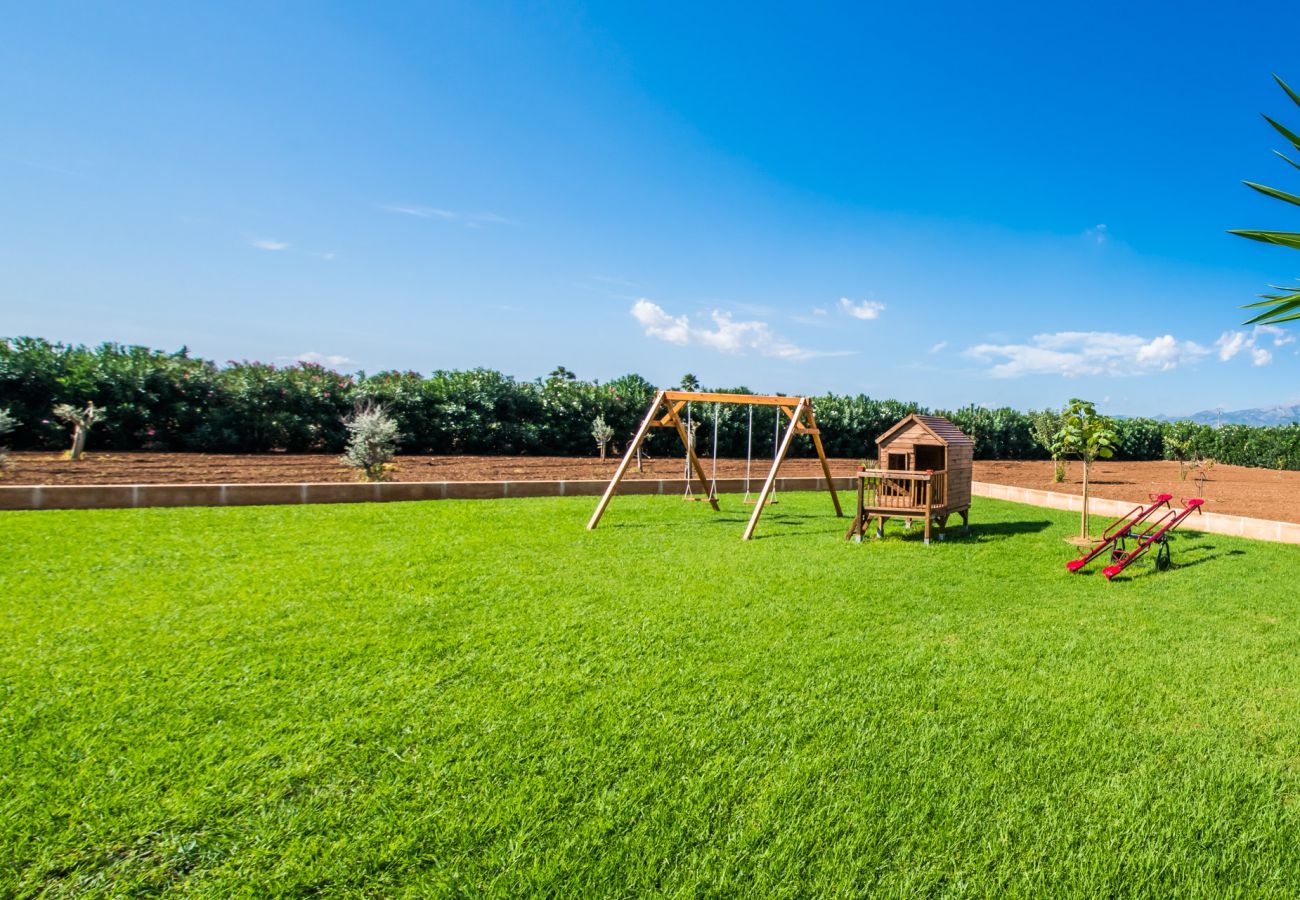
x,y
923,472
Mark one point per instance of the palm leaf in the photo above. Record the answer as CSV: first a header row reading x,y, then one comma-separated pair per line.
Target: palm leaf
x,y
1280,309
1295,98
1284,306
1273,318
1273,192
1274,300
1285,132
1281,238
1287,158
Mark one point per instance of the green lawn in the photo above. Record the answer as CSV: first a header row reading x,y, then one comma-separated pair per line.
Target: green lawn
x,y
483,698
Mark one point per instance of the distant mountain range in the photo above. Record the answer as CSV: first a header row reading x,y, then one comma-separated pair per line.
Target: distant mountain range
x,y
1268,415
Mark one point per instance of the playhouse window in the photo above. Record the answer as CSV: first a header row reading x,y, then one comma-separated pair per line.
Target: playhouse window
x,y
930,457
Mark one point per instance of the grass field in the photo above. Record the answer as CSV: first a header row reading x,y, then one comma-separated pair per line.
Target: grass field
x,y
482,698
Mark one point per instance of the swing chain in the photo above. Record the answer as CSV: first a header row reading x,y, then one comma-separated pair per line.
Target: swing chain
x,y
713,482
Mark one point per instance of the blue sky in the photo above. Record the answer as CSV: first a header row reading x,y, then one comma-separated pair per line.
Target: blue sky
x,y
956,203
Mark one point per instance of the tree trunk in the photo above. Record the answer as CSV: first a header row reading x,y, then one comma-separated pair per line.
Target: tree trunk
x,y
78,443
1084,533
602,451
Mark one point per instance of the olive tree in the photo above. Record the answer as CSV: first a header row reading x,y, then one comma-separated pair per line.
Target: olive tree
x,y
7,424
372,440
81,420
603,434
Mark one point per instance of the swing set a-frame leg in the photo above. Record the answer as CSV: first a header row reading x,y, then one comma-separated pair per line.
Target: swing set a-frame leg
x,y
826,466
670,418
626,460
770,481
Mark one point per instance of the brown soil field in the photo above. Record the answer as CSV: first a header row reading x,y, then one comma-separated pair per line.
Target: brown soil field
x,y
282,468
1260,493
1234,490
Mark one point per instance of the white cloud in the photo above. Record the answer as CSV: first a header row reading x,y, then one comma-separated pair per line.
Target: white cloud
x,y
321,359
658,324
269,245
816,318
1281,337
939,347
1098,234
867,309
726,336
469,220
1076,353
1232,343
420,212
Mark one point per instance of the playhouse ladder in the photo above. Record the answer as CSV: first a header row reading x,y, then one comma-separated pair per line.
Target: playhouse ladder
x,y
1120,529
1157,534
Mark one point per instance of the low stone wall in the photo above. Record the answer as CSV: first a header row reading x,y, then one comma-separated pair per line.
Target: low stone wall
x,y
131,496
1210,523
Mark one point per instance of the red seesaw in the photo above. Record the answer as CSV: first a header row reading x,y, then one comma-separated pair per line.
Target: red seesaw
x,y
1120,529
1157,533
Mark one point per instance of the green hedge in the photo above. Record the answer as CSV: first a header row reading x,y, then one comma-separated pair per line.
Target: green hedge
x,y
171,401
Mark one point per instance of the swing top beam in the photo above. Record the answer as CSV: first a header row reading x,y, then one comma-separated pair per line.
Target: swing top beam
x,y
739,399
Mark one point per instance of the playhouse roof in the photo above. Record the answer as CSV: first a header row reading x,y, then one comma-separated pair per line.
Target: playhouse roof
x,y
940,428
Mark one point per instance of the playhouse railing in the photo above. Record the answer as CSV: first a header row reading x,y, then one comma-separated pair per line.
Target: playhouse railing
x,y
897,489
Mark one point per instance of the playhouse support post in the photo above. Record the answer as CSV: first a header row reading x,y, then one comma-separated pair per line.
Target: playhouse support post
x,y
928,497
859,526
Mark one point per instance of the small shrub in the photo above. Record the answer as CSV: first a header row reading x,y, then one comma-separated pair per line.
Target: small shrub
x,y
7,424
1202,473
601,431
81,420
372,440
1185,442
1044,426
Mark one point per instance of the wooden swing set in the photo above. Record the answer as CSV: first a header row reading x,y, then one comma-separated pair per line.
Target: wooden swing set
x,y
666,412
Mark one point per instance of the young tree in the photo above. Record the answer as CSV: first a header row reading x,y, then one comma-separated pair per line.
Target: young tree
x,y
1184,443
1044,426
603,434
1181,445
372,440
7,424
1089,436
81,420
1284,306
